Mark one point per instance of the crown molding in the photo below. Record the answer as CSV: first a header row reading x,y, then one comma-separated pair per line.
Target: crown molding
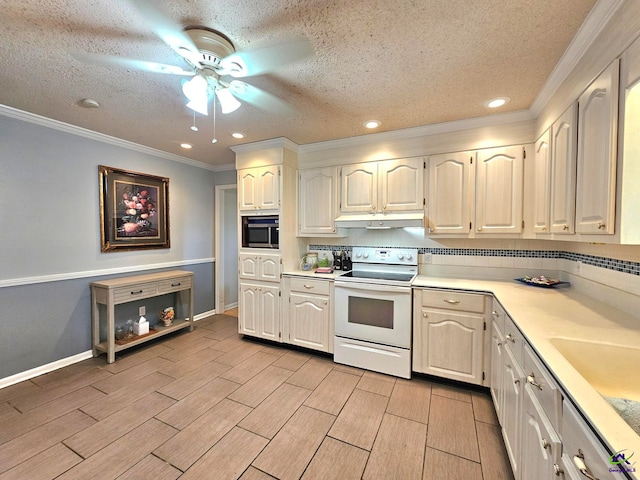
x,y
28,117
595,22
280,142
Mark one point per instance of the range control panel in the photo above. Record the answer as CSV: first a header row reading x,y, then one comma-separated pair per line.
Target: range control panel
x,y
387,256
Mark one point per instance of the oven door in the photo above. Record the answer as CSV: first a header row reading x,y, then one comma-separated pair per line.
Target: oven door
x,y
374,313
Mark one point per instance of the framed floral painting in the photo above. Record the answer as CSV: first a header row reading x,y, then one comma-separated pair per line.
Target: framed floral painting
x,y
134,210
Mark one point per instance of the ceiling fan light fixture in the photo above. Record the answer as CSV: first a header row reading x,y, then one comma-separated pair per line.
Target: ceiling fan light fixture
x,y
497,102
228,103
372,124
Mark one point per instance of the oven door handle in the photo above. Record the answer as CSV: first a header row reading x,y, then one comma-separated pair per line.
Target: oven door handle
x,y
372,287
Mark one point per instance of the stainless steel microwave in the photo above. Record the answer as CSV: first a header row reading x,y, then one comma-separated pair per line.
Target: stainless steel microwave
x,y
260,232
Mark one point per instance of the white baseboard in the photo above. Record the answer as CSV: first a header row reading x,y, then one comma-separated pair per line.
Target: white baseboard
x,y
231,306
64,362
49,367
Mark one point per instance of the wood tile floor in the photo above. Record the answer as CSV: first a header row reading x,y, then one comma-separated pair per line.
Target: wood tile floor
x,y
209,405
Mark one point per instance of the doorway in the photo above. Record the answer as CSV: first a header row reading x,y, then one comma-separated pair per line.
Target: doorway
x,y
226,247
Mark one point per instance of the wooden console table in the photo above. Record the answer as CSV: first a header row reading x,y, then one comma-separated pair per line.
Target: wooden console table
x,y
130,289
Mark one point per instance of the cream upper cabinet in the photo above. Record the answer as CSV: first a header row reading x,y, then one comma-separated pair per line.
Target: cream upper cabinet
x,y
401,184
318,201
596,161
359,188
499,190
450,192
563,172
386,186
259,189
541,183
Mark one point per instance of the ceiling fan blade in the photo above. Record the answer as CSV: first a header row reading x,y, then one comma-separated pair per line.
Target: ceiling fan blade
x,y
136,64
169,31
267,59
261,99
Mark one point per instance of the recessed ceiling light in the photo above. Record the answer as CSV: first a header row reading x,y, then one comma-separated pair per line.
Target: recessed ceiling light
x,y
497,102
372,124
237,135
186,146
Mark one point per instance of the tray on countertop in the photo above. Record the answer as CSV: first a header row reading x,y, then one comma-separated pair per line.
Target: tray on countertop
x,y
541,281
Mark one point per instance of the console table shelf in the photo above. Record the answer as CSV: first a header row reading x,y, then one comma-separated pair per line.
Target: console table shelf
x,y
130,289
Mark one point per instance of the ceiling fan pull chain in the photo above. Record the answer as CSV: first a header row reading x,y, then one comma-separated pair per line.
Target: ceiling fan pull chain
x,y
214,139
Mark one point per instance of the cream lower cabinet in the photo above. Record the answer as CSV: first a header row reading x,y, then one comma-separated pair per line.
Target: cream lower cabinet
x,y
259,312
448,335
259,295
308,313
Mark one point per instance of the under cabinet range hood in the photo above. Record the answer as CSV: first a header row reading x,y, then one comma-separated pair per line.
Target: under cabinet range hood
x,y
381,221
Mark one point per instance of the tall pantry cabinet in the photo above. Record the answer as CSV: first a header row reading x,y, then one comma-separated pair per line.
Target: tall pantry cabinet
x,y
266,186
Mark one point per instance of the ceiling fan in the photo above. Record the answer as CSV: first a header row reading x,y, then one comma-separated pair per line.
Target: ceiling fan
x,y
214,64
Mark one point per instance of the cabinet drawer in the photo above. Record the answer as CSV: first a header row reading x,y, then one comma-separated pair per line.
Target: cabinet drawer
x,y
581,447
131,293
309,285
514,340
174,285
544,388
450,300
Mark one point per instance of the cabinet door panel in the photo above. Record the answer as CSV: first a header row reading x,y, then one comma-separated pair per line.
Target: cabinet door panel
x,y
450,193
268,188
269,267
541,191
401,184
540,443
563,173
499,190
248,266
309,321
497,381
596,164
512,409
318,200
454,345
248,311
247,183
270,306
359,188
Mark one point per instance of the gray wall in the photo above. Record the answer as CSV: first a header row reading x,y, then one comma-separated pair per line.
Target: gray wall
x,y
50,237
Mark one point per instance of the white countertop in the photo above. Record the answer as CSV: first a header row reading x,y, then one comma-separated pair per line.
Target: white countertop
x,y
312,274
543,314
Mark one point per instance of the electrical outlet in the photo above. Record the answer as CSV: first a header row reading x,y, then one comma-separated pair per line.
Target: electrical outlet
x,y
427,258
578,267
142,311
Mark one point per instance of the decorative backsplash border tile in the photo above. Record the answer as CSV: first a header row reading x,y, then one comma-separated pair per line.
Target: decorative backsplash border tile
x,y
623,266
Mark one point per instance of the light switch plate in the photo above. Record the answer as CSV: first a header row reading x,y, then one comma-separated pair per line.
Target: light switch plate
x,y
142,311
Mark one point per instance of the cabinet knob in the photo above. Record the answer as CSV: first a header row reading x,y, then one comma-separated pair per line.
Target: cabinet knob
x,y
479,229
325,302
544,229
495,313
517,381
557,470
509,337
565,227
425,315
546,444
601,226
531,380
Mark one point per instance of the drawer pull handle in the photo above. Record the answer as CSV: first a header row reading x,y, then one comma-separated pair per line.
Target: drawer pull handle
x,y
601,226
578,460
531,380
176,284
308,287
452,302
137,293
509,337
495,314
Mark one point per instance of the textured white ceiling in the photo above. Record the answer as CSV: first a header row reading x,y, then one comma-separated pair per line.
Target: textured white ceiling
x,y
406,63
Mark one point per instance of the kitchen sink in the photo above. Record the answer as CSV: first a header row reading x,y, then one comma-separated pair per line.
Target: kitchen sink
x,y
611,369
